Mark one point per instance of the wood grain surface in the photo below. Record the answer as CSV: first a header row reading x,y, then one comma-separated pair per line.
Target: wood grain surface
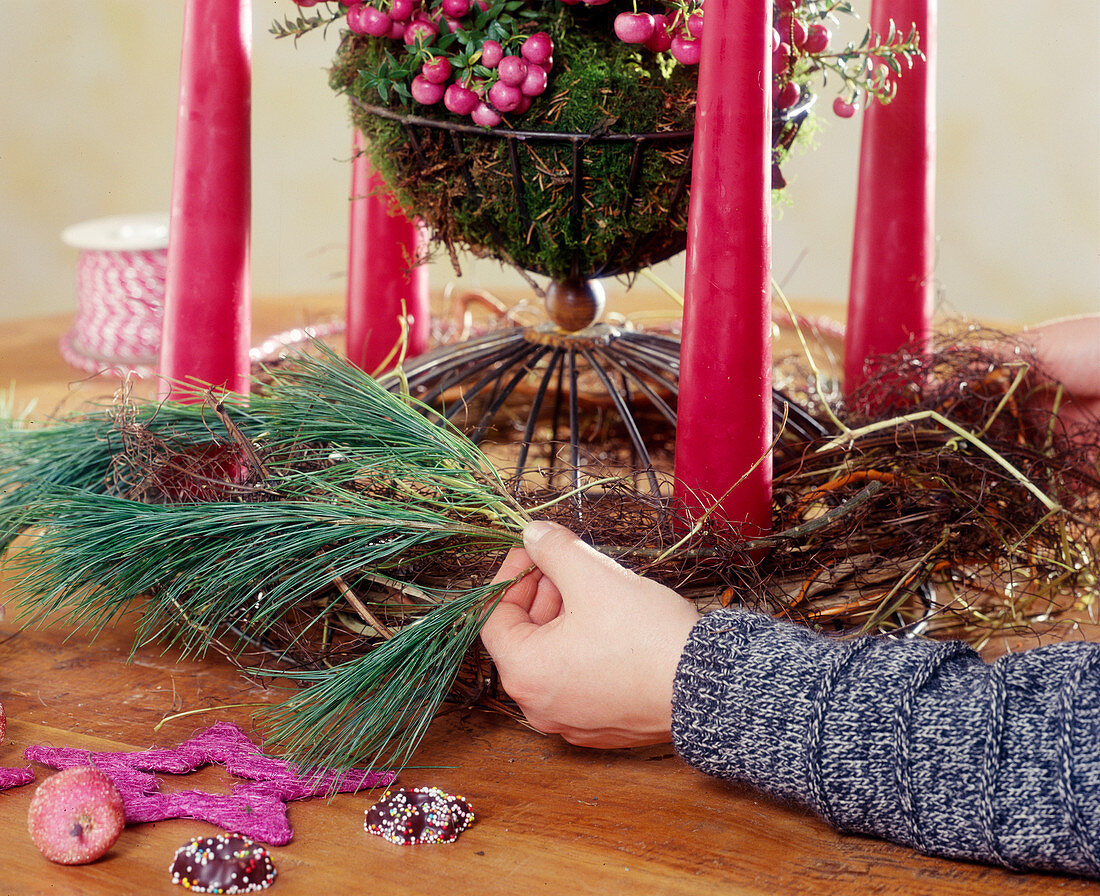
x,y
551,818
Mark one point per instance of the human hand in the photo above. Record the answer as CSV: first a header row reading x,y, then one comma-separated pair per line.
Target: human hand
x,y
586,648
1069,351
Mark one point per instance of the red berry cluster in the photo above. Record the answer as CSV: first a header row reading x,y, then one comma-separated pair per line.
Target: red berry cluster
x,y
481,59
793,38
801,43
678,30
519,78
451,60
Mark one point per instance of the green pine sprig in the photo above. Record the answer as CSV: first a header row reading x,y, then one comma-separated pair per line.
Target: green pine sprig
x,y
351,482
85,451
380,704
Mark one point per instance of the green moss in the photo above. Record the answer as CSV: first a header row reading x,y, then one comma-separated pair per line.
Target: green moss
x,y
464,187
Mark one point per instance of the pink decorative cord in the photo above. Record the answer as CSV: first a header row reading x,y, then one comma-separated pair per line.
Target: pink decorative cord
x,y
256,809
120,308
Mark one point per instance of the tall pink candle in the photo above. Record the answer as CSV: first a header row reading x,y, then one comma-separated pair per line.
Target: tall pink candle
x,y
724,414
207,314
891,294
384,280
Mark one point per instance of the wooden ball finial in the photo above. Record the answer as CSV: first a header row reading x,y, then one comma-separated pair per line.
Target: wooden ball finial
x,y
574,304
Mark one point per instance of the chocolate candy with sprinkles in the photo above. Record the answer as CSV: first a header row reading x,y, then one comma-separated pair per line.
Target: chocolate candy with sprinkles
x,y
223,864
419,815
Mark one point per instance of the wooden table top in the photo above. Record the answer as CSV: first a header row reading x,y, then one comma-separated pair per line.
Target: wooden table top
x,y
551,818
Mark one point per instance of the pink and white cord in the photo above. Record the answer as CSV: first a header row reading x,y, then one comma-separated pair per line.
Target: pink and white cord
x,y
120,308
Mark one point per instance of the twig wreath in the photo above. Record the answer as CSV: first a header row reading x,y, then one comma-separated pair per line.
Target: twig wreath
x,y
327,535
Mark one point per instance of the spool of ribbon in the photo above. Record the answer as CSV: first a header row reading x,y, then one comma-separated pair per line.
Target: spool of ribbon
x,y
120,279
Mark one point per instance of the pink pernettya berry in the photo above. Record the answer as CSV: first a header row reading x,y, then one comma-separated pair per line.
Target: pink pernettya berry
x,y
365,19
491,54
794,30
661,40
426,92
420,33
538,48
787,95
535,82
817,41
694,24
485,115
512,70
455,8
781,59
505,97
402,10
460,100
634,27
845,108
686,50
437,70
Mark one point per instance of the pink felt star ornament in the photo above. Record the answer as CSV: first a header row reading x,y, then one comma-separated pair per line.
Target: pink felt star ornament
x,y
257,808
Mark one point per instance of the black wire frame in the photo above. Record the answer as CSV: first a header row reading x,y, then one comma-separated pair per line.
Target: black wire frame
x,y
631,366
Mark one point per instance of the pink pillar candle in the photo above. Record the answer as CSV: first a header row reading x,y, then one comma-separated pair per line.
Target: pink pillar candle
x,y
386,279
891,294
724,417
207,314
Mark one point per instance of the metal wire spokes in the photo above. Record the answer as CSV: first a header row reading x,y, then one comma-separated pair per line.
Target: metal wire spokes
x,y
559,402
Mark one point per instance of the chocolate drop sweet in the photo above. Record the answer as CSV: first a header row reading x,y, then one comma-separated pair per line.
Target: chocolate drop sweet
x,y
419,815
223,864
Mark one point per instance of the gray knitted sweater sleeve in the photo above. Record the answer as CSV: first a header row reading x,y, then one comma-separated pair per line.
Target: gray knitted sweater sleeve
x,y
919,742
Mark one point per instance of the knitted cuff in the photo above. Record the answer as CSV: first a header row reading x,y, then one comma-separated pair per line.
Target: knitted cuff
x,y
919,742
742,699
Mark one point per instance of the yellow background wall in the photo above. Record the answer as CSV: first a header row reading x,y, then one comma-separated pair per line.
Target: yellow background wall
x,y
87,126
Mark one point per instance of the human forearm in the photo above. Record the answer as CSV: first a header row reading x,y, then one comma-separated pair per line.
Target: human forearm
x,y
918,742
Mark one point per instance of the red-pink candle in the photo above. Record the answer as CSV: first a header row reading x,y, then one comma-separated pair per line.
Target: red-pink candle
x,y
724,419
207,313
387,283
891,293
